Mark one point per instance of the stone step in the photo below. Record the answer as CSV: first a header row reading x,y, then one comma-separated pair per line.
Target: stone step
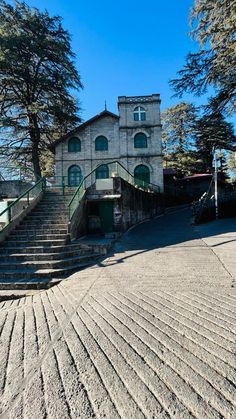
x,y
47,264
24,257
27,274
36,236
47,216
58,191
57,198
55,206
32,284
42,249
37,252
56,201
52,210
54,228
47,243
48,211
44,222
47,219
38,229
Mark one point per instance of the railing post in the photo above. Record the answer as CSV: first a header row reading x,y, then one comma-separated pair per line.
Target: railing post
x,y
63,186
9,215
28,198
44,184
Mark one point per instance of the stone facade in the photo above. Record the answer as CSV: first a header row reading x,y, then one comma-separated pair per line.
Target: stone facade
x,y
120,131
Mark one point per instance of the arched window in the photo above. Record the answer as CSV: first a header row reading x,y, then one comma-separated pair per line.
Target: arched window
x,y
142,173
102,172
140,140
139,114
74,145
101,143
74,175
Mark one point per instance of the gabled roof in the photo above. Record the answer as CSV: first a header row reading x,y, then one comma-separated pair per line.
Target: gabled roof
x,y
83,125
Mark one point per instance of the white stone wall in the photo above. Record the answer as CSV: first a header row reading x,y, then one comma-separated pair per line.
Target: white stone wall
x,y
151,127
88,158
120,134
151,104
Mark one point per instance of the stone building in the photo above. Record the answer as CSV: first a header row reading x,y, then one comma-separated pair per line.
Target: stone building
x,y
133,138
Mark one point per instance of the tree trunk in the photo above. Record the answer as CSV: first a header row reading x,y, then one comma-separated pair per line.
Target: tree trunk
x,y
35,139
35,161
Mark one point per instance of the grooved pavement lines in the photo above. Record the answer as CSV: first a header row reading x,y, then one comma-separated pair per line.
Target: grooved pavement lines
x,y
148,333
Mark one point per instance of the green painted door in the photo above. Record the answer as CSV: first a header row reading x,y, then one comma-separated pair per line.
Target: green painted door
x,y
106,216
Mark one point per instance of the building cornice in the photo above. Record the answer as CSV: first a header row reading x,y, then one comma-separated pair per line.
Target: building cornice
x,y
140,126
139,99
135,156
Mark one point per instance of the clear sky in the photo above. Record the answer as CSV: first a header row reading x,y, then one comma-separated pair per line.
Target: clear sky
x,y
125,47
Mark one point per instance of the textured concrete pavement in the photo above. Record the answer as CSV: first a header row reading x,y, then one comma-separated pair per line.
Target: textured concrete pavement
x,y
148,333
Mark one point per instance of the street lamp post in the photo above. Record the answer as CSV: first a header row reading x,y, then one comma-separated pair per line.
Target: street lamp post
x,y
216,184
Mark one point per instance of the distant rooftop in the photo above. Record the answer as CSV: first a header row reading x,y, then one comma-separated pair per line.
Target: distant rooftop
x,y
197,176
169,171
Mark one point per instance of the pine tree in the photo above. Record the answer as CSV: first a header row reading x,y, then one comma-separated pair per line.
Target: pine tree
x,y
37,78
214,27
213,132
177,137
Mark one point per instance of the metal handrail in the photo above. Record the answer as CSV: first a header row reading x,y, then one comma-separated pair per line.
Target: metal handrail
x,y
135,181
26,194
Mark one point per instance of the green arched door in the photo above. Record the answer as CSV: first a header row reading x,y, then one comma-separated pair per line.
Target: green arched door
x,y
74,176
142,173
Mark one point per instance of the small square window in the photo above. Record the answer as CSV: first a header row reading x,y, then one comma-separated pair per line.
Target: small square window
x,y
139,114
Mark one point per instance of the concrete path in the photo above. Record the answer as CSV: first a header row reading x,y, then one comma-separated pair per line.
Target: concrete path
x,y
149,333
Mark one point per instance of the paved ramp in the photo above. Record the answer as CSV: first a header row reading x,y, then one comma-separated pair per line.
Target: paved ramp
x,y
148,333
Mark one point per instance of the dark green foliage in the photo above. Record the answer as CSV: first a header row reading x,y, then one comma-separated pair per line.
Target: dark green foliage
x,y
178,122
231,163
214,27
213,131
189,139
178,139
37,78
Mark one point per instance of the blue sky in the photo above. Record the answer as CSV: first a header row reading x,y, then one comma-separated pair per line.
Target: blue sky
x,y
125,47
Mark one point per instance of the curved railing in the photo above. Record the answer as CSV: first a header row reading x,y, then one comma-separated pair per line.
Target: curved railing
x,y
14,209
117,170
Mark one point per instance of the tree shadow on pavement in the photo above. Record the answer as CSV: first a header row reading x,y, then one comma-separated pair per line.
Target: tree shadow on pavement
x,y
172,229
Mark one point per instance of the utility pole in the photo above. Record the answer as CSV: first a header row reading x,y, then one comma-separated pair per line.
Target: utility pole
x,y
216,184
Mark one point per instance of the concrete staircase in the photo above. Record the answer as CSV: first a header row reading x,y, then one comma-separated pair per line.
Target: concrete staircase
x,y
38,254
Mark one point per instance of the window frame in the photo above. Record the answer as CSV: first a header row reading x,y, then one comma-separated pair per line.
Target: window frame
x,y
102,168
137,142
139,114
148,172
69,170
100,147
76,143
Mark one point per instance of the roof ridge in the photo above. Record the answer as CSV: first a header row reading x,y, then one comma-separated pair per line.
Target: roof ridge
x,y
82,125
